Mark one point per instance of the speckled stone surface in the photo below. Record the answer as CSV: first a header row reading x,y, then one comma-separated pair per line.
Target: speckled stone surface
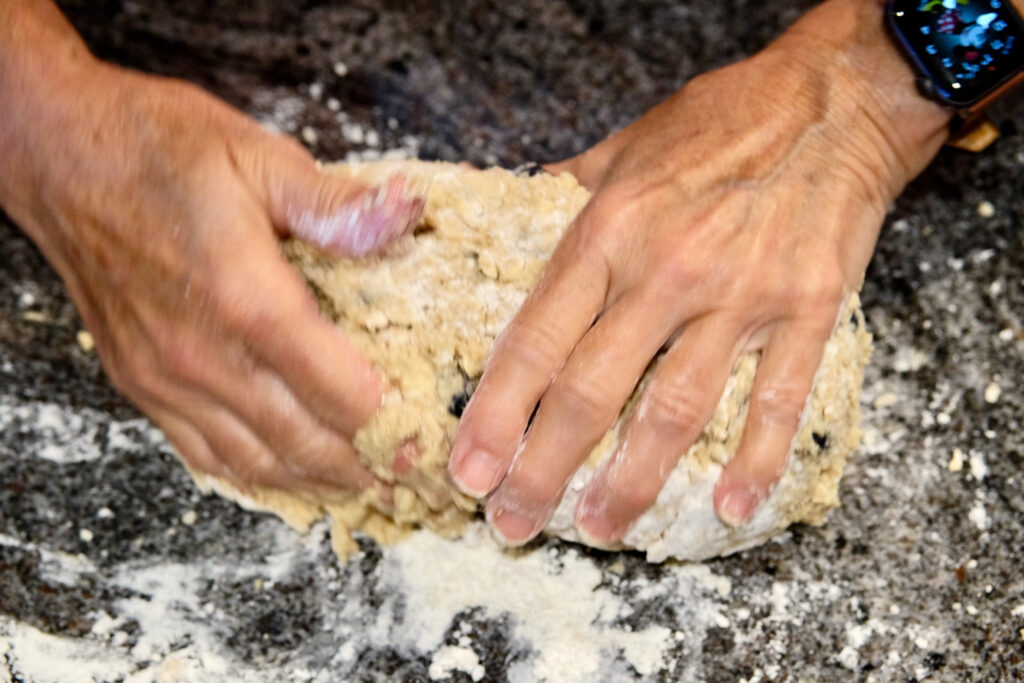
x,y
113,566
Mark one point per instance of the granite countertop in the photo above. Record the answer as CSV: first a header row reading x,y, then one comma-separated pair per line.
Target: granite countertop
x,y
114,567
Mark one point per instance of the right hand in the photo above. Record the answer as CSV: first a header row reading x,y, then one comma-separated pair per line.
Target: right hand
x,y
161,208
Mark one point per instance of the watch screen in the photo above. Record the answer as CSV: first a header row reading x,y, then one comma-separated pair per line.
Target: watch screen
x,y
965,47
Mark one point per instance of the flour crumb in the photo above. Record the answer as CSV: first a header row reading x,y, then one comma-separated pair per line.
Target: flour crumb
x,y
979,470
986,209
85,534
992,393
909,360
450,659
189,518
340,69
848,658
886,400
978,517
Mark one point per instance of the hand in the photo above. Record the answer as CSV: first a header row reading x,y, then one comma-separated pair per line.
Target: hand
x,y
737,216
161,208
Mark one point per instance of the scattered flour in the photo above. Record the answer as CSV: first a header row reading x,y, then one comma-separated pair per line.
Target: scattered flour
x,y
979,516
450,659
555,601
66,435
979,470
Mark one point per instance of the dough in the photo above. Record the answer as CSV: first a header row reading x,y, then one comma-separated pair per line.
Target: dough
x,y
426,312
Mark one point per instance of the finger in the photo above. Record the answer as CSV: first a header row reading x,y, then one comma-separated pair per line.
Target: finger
x,y
238,448
672,412
525,359
409,470
188,444
262,299
785,378
329,209
574,414
257,396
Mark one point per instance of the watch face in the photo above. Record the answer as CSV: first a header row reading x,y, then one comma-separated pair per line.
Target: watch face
x,y
966,48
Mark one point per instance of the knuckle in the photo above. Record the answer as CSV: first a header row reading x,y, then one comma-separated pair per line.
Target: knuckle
x,y
313,455
535,487
530,345
230,304
260,469
682,272
181,356
823,293
674,407
780,404
636,495
586,398
238,302
134,375
616,210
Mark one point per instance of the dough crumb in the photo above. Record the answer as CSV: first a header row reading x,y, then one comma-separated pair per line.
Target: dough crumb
x,y
886,400
85,340
956,462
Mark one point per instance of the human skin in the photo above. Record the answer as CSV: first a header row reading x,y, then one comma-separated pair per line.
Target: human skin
x,y
707,231
162,208
736,216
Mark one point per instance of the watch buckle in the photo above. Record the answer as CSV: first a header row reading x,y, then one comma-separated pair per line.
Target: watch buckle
x,y
975,135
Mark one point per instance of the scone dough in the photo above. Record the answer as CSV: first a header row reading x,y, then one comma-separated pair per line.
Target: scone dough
x,y
426,312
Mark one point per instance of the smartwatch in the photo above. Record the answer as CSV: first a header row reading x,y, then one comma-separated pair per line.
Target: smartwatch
x,y
966,53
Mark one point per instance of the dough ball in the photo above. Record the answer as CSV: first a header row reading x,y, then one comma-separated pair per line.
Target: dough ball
x,y
427,310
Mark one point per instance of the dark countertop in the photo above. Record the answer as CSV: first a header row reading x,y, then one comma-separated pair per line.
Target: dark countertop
x,y
114,567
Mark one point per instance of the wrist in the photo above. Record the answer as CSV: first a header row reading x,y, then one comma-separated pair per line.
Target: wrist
x,y
45,71
871,89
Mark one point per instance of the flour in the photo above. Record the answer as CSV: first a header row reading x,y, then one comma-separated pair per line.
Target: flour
x,y
67,435
555,601
450,659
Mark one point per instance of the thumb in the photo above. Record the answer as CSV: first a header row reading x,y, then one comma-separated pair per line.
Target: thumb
x,y
336,213
591,167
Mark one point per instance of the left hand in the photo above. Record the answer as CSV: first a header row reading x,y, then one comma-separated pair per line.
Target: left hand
x,y
737,216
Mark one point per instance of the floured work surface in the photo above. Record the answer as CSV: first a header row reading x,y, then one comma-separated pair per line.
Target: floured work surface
x,y
426,312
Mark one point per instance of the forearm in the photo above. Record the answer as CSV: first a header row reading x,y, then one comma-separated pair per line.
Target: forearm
x,y
42,61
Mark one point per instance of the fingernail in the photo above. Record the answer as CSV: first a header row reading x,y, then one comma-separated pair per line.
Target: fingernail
x,y
367,223
512,527
476,474
595,529
737,506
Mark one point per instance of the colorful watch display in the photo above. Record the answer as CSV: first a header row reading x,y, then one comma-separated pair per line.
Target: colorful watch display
x,y
965,51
